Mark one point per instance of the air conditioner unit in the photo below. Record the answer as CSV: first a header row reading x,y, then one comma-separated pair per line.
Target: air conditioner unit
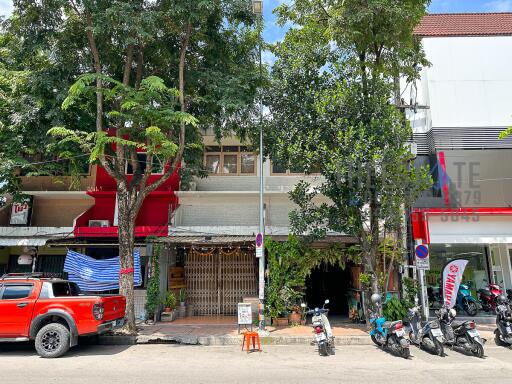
x,y
99,223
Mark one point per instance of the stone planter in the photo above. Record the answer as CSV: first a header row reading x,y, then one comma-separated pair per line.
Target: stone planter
x,y
182,311
280,322
169,316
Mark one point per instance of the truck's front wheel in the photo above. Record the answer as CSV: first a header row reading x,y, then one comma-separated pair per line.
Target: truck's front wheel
x,y
52,340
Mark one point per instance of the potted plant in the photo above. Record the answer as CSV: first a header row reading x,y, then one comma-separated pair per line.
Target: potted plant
x,y
183,309
295,315
169,301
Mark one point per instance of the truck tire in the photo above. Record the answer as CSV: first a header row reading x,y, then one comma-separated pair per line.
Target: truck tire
x,y
52,340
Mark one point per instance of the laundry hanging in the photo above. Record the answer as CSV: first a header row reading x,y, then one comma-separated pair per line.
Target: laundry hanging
x,y
98,274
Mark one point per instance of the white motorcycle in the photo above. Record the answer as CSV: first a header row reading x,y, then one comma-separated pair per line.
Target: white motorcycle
x,y
322,329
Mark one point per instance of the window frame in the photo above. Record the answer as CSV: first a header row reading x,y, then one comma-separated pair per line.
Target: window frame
x,y
146,154
2,291
289,173
238,155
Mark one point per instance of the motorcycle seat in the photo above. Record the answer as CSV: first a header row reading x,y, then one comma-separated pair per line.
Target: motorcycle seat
x,y
458,324
485,291
389,324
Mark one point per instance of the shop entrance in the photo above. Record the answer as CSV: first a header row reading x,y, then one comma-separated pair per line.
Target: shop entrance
x,y
329,282
219,278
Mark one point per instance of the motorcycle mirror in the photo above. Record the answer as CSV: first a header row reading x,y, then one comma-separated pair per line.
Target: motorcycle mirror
x,y
416,301
327,301
303,305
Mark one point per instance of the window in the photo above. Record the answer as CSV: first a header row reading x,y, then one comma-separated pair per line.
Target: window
x,y
279,168
17,291
229,160
158,165
65,289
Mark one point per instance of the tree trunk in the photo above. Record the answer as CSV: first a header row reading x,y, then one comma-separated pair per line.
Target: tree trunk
x,y
126,226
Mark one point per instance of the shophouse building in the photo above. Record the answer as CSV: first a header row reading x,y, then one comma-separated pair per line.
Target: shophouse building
x,y
459,107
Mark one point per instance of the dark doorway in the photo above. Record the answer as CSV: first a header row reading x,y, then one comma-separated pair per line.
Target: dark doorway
x,y
329,282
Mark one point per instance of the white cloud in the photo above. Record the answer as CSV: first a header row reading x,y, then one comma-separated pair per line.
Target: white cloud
x,y
499,6
5,7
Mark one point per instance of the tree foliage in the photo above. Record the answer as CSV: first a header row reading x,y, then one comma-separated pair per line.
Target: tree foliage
x,y
137,75
289,265
333,107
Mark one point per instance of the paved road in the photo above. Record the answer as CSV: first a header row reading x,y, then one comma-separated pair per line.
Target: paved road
x,y
277,364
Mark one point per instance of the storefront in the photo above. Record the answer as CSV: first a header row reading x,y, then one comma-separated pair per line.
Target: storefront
x,y
482,236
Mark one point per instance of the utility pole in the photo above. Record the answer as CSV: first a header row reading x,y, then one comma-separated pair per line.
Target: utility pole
x,y
258,11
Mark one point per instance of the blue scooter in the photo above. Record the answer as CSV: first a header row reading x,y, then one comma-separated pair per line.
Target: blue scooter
x,y
388,334
465,301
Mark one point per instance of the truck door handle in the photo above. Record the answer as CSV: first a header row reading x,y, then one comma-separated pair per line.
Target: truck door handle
x,y
22,305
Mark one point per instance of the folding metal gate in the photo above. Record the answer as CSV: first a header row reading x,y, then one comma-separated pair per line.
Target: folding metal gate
x,y
218,279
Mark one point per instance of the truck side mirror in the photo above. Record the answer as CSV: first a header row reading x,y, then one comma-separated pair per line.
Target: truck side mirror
x,y
327,301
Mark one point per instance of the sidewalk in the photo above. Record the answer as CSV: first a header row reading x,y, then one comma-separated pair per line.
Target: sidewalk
x,y
223,330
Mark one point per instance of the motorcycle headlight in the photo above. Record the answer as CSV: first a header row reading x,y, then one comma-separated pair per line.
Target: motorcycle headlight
x,y
453,312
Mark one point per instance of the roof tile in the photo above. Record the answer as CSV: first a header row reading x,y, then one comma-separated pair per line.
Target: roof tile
x,y
465,24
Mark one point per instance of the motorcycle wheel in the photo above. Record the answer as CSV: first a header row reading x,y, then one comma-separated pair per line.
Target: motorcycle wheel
x,y
497,339
439,348
478,351
405,353
322,349
471,308
374,339
332,349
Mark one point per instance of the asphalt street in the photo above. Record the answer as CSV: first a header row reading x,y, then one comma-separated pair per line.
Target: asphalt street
x,y
276,364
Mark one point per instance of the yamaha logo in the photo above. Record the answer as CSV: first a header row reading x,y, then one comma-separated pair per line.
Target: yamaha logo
x,y
454,268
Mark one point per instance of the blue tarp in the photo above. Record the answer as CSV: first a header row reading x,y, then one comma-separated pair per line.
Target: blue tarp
x,y
97,274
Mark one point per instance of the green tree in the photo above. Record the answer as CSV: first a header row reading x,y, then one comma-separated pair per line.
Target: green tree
x,y
332,108
147,74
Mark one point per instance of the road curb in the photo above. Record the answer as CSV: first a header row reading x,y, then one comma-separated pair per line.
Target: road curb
x,y
223,340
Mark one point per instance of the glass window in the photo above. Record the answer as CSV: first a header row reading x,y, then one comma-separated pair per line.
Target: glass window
x,y
247,163
213,163
65,289
213,148
230,163
475,274
158,166
16,291
278,167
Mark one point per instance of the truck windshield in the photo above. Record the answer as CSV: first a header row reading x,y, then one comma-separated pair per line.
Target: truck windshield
x,y
65,289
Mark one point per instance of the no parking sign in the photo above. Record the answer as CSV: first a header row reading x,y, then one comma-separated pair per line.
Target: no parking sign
x,y
422,257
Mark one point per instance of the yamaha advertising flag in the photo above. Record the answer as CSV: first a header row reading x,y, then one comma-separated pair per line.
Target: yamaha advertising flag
x,y
452,276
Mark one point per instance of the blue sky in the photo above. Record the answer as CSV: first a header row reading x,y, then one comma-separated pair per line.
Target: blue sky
x,y
274,33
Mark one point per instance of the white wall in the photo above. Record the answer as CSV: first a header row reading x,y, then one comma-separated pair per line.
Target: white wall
x,y
468,85
465,229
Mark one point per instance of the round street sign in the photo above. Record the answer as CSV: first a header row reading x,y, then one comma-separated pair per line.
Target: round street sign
x,y
421,251
259,240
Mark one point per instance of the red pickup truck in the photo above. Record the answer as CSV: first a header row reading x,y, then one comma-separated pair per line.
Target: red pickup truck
x,y
54,313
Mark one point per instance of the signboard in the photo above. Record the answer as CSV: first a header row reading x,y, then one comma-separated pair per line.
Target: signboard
x,y
259,245
20,212
422,257
244,314
452,276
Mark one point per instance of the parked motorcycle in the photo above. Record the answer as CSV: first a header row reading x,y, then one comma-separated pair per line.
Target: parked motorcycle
x,y
387,334
322,329
487,297
503,332
462,335
435,298
429,335
509,295
465,300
